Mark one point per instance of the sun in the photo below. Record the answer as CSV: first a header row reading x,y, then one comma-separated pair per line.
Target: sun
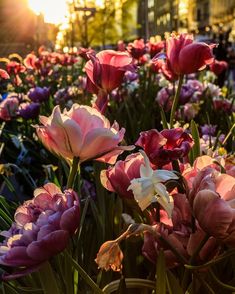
x,y
53,11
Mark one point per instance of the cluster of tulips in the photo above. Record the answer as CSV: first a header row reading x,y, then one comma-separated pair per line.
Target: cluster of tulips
x,y
148,205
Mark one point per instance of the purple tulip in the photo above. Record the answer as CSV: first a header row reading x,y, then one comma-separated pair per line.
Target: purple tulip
x,y
29,110
42,228
208,129
39,94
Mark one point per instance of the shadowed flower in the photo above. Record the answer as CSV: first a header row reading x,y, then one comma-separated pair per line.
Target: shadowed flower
x,y
137,49
150,188
215,212
166,146
42,229
29,110
118,178
110,256
81,132
179,234
39,94
217,67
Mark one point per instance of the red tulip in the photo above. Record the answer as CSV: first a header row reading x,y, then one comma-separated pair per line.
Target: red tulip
x,y
137,49
217,67
155,47
166,146
185,57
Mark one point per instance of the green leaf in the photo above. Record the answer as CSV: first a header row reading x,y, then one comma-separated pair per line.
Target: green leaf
x,y
83,274
196,147
161,273
163,117
173,284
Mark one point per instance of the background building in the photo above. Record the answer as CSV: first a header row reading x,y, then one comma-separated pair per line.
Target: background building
x,y
207,18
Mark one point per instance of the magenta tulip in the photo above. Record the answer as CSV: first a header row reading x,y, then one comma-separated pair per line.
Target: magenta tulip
x,y
118,178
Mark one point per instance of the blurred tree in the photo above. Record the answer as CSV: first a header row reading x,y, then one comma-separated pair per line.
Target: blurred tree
x,y
103,24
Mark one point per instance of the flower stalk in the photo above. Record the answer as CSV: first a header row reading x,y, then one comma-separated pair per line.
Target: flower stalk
x,y
176,101
73,172
48,280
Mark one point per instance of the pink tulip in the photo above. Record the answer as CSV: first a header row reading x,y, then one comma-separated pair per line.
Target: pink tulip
x,y
9,108
81,132
215,215
42,228
179,234
4,75
118,178
105,72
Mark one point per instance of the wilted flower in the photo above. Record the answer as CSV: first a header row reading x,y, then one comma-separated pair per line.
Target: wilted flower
x,y
118,178
150,188
29,110
81,132
42,229
110,256
9,108
166,146
39,94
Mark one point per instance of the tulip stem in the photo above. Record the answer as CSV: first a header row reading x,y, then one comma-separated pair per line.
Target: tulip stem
x,y
175,101
48,280
73,172
192,260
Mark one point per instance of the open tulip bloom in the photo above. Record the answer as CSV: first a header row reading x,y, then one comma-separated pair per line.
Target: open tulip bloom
x,y
82,132
42,228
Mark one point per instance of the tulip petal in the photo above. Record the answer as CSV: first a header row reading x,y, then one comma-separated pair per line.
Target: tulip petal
x,y
50,245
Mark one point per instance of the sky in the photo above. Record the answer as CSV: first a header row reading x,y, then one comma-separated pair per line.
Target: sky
x,y
54,11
